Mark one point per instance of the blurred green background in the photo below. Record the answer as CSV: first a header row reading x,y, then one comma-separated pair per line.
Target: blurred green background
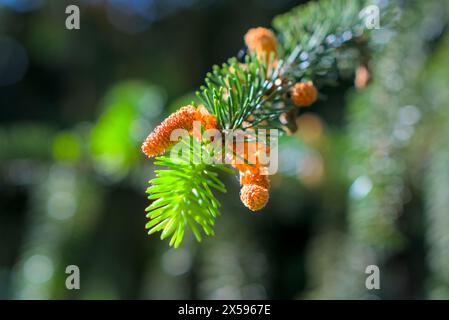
x,y
364,181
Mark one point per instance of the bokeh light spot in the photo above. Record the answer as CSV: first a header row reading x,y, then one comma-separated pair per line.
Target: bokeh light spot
x,y
38,269
361,187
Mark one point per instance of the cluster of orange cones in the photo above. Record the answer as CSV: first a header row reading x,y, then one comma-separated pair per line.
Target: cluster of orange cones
x,y
254,182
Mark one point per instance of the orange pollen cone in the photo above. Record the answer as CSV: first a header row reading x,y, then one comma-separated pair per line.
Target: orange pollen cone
x,y
254,193
304,94
159,141
260,40
254,197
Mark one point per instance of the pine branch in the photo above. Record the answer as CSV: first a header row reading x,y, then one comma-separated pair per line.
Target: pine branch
x,y
313,40
318,37
235,92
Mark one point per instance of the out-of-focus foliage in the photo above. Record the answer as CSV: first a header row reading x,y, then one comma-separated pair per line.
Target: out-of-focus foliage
x,y
391,153
436,188
128,110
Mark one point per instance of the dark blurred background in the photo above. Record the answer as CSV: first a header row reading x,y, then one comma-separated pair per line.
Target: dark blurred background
x,y
364,181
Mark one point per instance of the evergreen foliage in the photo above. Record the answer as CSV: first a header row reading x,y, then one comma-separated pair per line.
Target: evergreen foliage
x,y
183,195
313,41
